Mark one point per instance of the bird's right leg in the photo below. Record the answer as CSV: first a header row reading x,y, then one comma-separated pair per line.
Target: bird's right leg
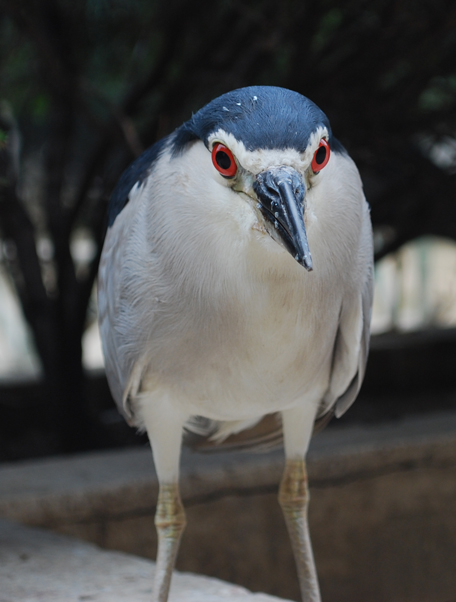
x,y
294,496
170,523
164,427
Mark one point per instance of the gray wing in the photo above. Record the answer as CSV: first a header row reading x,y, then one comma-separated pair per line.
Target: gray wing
x,y
120,368
353,335
107,296
120,363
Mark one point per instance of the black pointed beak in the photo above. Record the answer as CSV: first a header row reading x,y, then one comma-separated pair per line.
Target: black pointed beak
x,y
281,194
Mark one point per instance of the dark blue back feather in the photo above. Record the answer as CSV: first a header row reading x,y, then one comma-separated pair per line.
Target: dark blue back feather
x,y
136,172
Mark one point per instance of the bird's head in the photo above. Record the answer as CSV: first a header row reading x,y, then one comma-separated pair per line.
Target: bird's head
x,y
269,145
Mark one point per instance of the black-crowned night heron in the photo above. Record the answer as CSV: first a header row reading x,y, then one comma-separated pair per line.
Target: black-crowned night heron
x,y
211,304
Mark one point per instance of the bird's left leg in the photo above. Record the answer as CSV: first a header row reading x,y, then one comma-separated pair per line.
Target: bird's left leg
x,y
164,428
294,496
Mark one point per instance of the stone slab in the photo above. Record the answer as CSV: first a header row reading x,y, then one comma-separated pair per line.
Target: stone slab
x,y
41,492
382,512
39,566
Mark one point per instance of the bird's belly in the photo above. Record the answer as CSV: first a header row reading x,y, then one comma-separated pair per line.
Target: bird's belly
x,y
262,366
240,393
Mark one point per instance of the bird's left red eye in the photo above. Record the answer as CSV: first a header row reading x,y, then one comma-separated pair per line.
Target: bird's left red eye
x,y
223,160
321,156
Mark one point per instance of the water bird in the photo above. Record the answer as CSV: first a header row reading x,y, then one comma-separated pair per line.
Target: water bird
x,y
235,285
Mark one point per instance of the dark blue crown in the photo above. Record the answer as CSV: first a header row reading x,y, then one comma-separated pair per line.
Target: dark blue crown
x,y
259,116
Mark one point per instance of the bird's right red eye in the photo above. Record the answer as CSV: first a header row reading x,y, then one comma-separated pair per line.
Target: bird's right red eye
x,y
224,161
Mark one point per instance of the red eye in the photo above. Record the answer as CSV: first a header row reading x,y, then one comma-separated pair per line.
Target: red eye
x,y
223,160
321,156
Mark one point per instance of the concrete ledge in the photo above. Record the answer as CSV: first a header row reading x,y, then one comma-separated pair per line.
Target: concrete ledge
x,y
37,566
383,510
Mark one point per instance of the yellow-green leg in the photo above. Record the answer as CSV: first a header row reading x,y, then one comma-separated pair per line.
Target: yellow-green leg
x,y
170,523
164,427
294,500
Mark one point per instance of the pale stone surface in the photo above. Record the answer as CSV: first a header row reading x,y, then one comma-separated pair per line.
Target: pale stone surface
x,y
42,492
38,566
381,515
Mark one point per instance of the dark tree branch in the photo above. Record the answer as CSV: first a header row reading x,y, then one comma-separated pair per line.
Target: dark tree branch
x,y
16,226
